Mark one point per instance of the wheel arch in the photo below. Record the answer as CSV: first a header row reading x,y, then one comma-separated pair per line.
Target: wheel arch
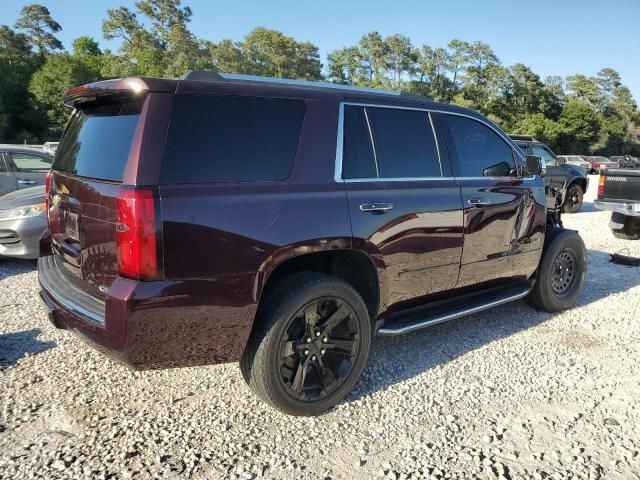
x,y
354,266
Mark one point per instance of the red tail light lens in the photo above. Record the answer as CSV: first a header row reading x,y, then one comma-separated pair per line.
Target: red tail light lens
x,y
47,189
136,235
601,186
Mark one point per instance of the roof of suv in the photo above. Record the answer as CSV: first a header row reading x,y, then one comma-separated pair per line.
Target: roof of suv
x,y
213,82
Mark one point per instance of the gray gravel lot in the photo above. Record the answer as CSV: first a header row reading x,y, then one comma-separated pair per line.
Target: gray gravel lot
x,y
509,393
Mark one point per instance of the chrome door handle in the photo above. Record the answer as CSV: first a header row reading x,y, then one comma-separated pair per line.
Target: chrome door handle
x,y
26,182
479,202
376,207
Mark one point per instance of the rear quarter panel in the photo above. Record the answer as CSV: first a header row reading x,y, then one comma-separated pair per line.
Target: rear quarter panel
x,y
225,239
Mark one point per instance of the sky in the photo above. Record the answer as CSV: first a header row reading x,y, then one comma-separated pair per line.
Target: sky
x,y
553,37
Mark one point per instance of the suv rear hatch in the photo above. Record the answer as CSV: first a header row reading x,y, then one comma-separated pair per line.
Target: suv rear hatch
x,y
88,198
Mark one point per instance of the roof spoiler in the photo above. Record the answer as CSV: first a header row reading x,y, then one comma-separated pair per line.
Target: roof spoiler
x,y
123,87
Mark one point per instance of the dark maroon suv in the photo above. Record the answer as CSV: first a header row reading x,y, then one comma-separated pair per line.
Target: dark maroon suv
x,y
281,224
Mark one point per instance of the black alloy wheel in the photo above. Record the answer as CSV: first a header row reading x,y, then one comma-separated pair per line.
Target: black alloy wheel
x,y
318,348
309,345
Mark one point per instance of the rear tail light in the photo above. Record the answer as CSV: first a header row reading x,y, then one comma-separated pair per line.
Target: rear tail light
x,y
47,189
137,235
601,186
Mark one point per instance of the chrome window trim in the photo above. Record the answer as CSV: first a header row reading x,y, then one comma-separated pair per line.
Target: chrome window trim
x,y
373,144
340,146
435,137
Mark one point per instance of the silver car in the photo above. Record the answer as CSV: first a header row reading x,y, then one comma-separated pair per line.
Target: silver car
x,y
577,160
22,167
23,219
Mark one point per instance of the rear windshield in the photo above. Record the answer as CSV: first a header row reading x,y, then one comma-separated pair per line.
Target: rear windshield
x,y
97,141
215,138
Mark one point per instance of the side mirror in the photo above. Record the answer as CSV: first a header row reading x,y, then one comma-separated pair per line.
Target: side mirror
x,y
533,165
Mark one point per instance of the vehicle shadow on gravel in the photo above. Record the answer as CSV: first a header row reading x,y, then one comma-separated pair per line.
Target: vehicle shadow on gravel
x,y
10,267
16,345
396,359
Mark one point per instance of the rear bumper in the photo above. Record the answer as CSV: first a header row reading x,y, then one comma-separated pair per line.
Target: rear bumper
x,y
631,209
156,324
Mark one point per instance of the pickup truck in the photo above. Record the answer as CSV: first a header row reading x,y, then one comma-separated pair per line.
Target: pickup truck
x,y
570,179
619,192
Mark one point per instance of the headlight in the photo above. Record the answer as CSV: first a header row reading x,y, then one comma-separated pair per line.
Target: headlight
x,y
23,212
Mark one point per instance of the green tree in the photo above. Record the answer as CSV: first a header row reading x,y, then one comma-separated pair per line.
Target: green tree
x,y
48,85
344,65
580,124
373,53
40,27
271,53
17,64
400,59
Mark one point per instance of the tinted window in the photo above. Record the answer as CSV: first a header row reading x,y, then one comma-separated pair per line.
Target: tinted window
x,y
97,141
480,152
25,162
214,138
404,143
547,157
357,154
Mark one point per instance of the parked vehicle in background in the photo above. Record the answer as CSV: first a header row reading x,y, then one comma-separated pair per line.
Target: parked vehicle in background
x,y
23,220
619,192
576,160
570,179
598,164
282,223
22,167
627,161
50,147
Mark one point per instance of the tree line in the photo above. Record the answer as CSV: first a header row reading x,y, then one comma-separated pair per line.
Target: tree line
x,y
577,114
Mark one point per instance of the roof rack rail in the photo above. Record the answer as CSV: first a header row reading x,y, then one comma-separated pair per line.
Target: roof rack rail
x,y
213,76
524,138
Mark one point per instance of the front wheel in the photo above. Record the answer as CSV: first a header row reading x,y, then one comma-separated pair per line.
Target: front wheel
x,y
310,344
561,273
573,200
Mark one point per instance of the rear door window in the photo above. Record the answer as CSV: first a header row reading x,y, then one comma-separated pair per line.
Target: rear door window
x,y
97,141
216,138
388,143
27,162
479,151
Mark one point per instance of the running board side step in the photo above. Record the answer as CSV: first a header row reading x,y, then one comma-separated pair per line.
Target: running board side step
x,y
429,317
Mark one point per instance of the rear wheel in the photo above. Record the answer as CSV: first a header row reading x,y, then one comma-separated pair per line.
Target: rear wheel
x,y
561,273
310,345
630,231
573,200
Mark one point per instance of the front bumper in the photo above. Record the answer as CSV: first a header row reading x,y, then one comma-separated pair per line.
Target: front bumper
x,y
631,209
19,238
153,324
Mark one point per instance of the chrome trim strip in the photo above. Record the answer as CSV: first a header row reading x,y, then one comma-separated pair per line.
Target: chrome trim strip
x,y
373,144
340,144
451,316
337,176
435,139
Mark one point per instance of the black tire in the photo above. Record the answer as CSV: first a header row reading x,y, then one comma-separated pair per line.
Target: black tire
x,y
573,199
284,324
561,273
630,231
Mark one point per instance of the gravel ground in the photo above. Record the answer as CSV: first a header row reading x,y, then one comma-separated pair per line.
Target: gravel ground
x,y
509,393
